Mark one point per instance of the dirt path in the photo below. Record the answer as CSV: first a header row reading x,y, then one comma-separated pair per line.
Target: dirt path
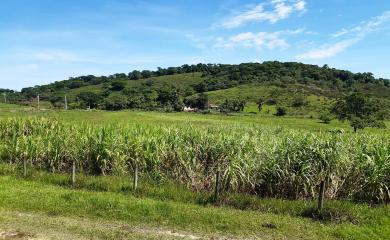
x,y
33,226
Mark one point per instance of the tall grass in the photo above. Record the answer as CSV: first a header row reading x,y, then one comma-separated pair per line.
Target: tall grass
x,y
264,161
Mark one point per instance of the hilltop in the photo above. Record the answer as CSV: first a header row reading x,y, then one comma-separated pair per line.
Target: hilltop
x,y
301,88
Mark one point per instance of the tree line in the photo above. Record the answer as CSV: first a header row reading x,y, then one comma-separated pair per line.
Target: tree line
x,y
221,76
115,94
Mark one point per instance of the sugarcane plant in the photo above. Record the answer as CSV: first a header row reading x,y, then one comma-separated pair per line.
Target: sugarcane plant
x,y
264,161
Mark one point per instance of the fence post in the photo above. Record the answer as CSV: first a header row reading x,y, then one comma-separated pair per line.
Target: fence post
x,y
135,177
24,167
73,172
321,195
217,177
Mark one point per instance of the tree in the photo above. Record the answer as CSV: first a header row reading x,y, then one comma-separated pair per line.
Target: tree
x,y
146,74
76,84
57,101
141,97
360,110
89,99
168,95
135,75
116,102
178,105
232,106
200,101
118,85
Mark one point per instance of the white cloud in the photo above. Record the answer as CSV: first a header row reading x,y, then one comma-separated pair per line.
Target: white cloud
x,y
340,33
272,11
326,51
351,36
277,44
269,40
300,5
59,56
56,55
243,37
365,27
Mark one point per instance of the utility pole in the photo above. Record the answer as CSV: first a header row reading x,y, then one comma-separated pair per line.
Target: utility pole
x,y
38,102
5,97
66,103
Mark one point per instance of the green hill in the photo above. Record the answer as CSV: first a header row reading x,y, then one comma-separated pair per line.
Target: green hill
x,y
302,89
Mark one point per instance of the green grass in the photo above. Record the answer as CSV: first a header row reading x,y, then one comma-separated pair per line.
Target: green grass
x,y
10,107
104,207
316,98
48,201
133,117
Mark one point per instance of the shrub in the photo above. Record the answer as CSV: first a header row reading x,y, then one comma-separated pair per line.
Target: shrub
x,y
281,111
325,117
118,85
299,101
232,106
89,99
116,102
271,101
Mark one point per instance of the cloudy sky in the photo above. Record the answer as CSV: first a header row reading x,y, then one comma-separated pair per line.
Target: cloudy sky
x,y
42,41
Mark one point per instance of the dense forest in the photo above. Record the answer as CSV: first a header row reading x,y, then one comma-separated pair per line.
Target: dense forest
x,y
115,92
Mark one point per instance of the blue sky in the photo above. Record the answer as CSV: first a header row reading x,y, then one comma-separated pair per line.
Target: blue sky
x,y
42,41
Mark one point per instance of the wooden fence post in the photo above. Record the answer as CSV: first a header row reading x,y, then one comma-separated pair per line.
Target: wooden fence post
x,y
73,172
217,187
24,167
321,195
135,178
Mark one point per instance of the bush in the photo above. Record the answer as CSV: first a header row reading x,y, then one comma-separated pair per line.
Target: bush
x,y
271,101
281,111
200,101
299,101
116,102
232,106
325,117
89,99
118,86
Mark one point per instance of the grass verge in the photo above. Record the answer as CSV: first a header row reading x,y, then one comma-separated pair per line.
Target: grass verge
x,y
167,209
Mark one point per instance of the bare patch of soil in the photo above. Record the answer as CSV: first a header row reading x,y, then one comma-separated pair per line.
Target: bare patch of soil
x,y
14,236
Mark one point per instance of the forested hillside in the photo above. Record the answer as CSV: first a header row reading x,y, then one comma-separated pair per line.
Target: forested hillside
x,y
301,88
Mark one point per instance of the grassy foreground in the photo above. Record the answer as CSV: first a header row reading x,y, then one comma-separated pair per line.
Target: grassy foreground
x,y
44,207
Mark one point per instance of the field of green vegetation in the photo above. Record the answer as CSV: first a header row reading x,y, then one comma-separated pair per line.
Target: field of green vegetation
x,y
241,176
268,161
